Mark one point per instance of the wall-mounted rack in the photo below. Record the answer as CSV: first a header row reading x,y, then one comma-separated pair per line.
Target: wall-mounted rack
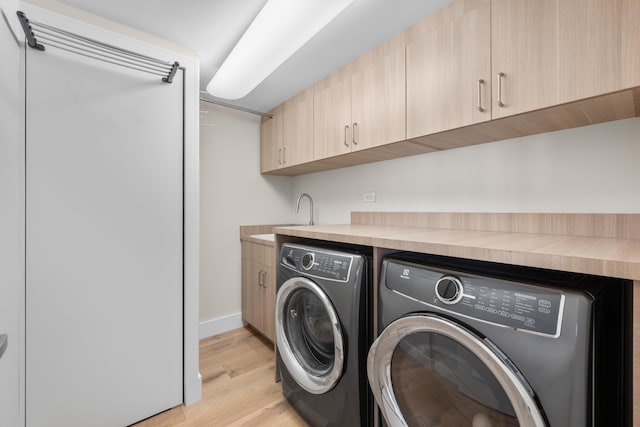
x,y
40,35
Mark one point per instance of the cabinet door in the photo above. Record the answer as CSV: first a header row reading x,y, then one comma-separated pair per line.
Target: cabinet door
x,y
598,42
378,96
449,69
269,302
251,292
332,115
271,142
524,51
556,51
258,287
298,129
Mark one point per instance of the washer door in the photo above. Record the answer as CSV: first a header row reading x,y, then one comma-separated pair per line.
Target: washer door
x,y
308,335
428,370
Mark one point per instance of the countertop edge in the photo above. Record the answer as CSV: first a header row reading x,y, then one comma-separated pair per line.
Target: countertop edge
x,y
591,255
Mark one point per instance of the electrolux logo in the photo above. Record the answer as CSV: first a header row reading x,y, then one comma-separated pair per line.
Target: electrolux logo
x,y
405,274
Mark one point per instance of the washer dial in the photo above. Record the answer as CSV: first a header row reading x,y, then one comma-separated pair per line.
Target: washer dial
x,y
449,289
307,260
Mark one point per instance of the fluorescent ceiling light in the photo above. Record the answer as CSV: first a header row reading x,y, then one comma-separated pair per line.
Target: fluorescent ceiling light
x,y
280,29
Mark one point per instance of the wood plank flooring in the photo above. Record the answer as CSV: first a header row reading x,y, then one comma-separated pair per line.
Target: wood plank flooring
x,y
238,387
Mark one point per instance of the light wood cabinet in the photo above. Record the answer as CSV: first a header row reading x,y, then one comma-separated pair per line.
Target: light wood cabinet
x,y
476,71
378,93
332,115
298,129
449,69
524,55
271,141
363,104
598,47
286,139
550,52
258,287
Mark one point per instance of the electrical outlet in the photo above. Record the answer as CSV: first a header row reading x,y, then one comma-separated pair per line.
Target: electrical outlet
x,y
369,197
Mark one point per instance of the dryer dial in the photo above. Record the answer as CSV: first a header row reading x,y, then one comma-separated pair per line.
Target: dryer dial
x,y
449,289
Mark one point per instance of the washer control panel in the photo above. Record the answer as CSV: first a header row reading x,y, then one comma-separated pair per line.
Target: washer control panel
x,y
511,304
317,263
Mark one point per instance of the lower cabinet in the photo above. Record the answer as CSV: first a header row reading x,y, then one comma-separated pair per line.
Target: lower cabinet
x,y
258,287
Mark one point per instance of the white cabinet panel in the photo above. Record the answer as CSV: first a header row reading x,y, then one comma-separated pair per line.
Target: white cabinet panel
x,y
104,242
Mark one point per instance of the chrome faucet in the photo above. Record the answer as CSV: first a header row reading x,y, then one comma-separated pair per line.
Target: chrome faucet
x,y
310,206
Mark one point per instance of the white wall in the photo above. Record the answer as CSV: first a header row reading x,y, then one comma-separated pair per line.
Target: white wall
x,y
589,169
11,221
232,193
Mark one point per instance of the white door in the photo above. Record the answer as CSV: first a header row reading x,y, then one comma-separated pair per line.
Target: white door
x,y
11,230
104,242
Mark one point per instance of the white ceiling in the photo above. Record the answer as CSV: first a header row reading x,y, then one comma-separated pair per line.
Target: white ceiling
x,y
212,28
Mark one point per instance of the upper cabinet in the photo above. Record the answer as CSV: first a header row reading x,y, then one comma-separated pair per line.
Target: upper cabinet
x,y
598,47
378,94
476,71
286,139
449,69
363,104
550,52
332,115
298,129
271,141
524,55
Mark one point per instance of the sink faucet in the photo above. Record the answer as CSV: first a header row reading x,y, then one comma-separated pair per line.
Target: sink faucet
x,y
310,206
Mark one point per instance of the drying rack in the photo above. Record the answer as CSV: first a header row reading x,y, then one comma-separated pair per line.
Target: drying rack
x,y
40,35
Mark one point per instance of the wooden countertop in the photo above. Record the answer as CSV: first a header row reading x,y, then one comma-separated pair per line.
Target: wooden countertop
x,y
259,240
258,233
605,256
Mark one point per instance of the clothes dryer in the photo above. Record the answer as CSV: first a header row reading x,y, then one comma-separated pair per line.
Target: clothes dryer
x,y
469,343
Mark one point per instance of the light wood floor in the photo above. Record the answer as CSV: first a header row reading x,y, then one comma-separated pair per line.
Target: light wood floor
x,y
238,387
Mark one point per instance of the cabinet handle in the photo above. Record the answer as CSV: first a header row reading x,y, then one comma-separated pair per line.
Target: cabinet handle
x,y
264,279
346,129
260,278
284,155
4,340
500,76
279,156
355,128
480,83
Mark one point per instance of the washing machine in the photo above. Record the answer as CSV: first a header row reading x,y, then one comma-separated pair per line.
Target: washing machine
x,y
471,343
323,332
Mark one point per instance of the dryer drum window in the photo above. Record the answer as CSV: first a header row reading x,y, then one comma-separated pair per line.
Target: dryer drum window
x,y
439,382
426,370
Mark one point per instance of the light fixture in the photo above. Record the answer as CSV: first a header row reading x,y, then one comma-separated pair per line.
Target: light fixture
x,y
280,29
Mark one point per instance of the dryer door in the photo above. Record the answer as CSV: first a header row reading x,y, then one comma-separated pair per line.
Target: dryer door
x,y
308,335
428,370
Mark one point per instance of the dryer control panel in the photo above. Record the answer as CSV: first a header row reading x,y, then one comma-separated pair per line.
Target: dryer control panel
x,y
512,304
317,263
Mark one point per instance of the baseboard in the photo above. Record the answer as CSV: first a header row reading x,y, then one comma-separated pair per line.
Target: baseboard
x,y
209,328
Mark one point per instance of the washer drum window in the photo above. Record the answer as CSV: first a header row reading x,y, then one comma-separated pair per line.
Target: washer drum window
x,y
308,335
